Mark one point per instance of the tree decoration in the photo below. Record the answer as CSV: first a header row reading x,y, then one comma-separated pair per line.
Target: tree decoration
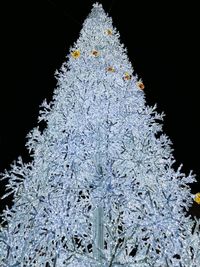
x,y
75,54
127,76
110,69
197,198
95,53
140,85
109,32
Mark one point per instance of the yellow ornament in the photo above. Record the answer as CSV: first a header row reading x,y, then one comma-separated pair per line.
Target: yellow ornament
x,y
197,198
127,76
140,85
108,32
95,53
76,54
110,69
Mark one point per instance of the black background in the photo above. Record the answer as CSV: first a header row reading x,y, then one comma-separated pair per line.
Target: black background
x,y
162,43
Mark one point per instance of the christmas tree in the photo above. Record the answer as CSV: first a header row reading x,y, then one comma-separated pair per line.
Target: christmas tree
x,y
101,189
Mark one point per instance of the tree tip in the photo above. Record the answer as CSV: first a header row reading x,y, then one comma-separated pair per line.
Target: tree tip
x,y
97,8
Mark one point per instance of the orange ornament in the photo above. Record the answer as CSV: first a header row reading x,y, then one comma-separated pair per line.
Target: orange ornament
x,y
197,198
76,54
108,32
140,85
95,53
127,76
110,69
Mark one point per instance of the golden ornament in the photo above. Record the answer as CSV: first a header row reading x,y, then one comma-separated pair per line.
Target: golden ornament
x,y
108,32
140,85
76,54
95,53
197,198
127,76
110,69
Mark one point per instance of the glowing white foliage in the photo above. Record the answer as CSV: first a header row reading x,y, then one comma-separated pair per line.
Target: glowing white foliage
x,y
103,148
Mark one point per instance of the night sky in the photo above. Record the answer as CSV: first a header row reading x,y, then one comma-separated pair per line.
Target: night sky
x,y
162,45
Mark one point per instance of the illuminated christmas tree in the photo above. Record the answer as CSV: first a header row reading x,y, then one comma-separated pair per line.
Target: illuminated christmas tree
x,y
101,190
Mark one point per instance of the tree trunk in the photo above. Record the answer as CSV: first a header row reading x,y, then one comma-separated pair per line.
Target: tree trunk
x,y
99,234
